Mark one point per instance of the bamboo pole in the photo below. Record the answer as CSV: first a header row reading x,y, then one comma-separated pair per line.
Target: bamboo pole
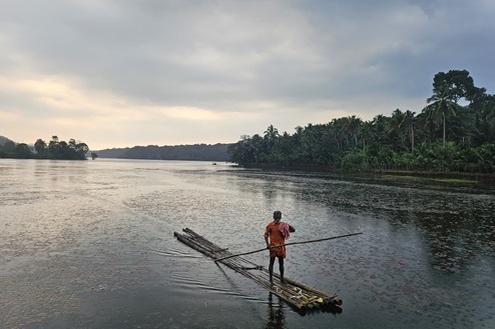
x,y
287,244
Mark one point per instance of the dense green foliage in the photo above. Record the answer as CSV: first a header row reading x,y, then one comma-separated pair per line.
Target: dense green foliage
x,y
444,136
206,152
55,149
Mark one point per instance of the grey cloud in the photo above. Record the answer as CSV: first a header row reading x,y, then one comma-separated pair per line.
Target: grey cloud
x,y
228,55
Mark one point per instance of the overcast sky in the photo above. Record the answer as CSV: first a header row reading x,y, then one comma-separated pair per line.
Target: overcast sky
x,y
125,73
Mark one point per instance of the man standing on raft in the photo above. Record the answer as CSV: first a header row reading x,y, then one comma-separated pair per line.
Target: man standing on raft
x,y
275,235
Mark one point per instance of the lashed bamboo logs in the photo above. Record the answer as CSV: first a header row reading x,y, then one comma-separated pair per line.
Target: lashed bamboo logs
x,y
295,294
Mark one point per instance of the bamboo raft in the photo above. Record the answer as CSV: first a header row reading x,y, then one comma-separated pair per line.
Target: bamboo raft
x,y
299,296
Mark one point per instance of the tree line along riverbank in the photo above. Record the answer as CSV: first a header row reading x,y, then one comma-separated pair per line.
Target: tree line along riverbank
x,y
454,132
196,152
54,149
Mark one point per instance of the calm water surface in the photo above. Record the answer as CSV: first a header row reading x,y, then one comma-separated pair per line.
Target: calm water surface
x,y
90,245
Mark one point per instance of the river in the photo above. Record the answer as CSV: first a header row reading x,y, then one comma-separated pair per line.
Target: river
x,y
89,244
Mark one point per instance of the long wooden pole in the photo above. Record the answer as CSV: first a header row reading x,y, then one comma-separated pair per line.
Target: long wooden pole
x,y
288,244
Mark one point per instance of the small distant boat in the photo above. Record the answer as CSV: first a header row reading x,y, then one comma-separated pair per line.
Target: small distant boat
x,y
214,163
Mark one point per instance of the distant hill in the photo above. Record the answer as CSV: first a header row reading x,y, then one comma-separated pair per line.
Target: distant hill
x,y
4,140
204,152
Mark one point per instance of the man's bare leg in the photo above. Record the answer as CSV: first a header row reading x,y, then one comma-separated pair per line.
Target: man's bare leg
x,y
270,268
281,268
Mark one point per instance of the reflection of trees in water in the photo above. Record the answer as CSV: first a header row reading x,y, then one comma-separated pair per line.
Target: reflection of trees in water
x,y
454,240
455,230
456,226
254,184
276,315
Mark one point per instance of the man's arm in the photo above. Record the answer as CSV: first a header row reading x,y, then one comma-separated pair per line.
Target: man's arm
x,y
266,239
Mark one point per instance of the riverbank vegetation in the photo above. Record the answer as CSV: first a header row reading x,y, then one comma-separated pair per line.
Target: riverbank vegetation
x,y
197,152
55,149
454,132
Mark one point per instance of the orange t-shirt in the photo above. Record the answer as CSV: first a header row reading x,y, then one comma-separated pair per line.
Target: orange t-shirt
x,y
276,238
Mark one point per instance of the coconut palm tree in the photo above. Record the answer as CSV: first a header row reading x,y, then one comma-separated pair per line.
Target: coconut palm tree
x,y
408,124
353,128
395,129
271,133
440,105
